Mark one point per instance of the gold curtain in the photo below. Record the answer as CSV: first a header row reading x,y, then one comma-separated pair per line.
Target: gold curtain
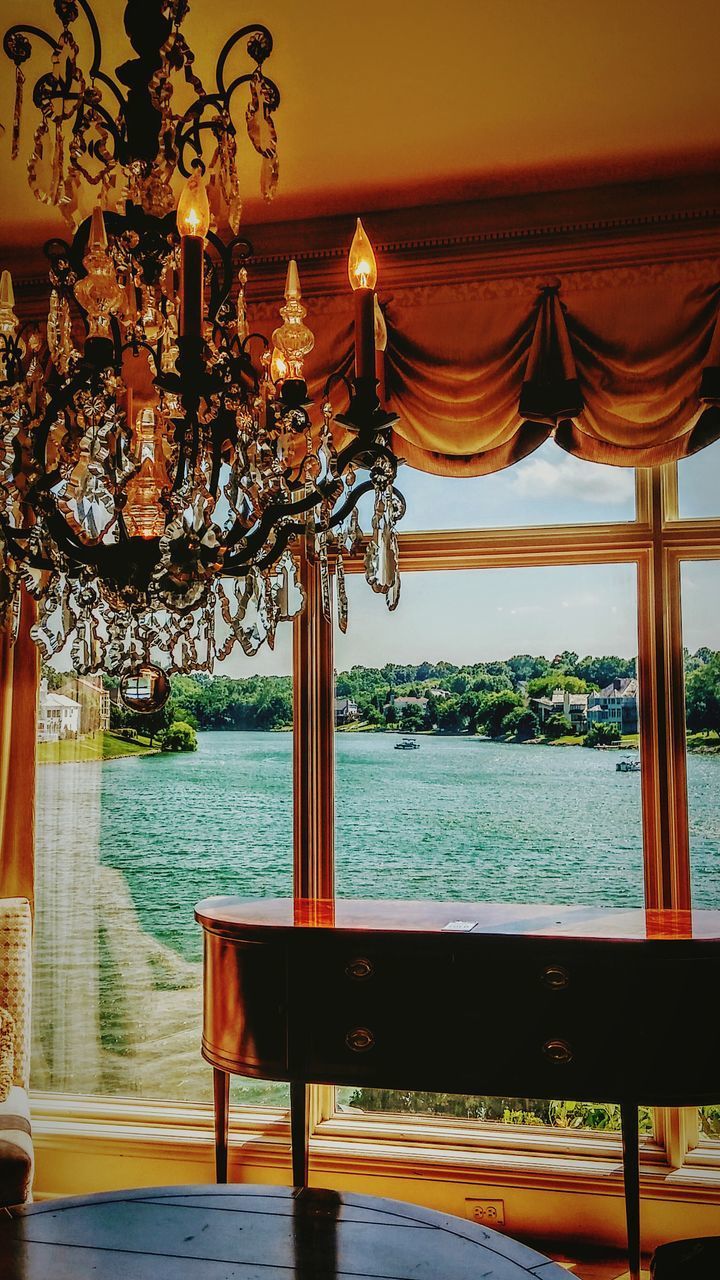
x,y
19,673
612,362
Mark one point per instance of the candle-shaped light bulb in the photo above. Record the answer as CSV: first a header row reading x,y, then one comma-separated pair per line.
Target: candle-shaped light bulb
x,y
193,219
362,268
193,212
292,281
279,367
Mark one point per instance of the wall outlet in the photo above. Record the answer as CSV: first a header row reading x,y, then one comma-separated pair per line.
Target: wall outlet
x,y
491,1213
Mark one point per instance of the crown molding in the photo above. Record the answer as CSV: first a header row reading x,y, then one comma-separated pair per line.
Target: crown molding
x,y
588,229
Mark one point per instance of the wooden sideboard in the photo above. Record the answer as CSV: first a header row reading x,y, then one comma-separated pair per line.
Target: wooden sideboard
x,y
541,1001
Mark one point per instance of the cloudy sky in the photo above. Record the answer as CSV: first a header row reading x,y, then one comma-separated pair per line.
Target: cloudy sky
x,y
471,616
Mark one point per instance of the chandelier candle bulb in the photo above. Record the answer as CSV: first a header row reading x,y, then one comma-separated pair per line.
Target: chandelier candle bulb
x,y
363,276
193,219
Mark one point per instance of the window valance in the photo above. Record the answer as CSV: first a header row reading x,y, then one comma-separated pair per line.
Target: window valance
x,y
622,365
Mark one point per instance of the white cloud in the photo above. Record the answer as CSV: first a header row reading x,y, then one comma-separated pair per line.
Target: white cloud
x,y
568,476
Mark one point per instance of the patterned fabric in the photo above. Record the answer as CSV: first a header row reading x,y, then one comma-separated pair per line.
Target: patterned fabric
x,y
16,1151
15,978
7,1052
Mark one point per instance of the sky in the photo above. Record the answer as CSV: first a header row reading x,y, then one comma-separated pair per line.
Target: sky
x,y
481,615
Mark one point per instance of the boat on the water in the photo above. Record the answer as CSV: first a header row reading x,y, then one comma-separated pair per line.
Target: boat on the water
x,y
630,764
407,744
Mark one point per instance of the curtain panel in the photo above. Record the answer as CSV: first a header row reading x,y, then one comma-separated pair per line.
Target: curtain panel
x,y
621,365
19,675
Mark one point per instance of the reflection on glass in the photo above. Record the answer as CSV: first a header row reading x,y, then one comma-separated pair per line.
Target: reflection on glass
x,y
699,484
549,487
128,839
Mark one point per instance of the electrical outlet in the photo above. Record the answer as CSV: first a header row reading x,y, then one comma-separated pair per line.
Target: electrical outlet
x,y
491,1213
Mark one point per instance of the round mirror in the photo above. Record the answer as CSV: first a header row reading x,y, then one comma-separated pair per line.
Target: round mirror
x,y
146,690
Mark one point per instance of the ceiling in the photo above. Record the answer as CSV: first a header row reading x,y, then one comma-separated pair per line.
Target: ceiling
x,y
386,104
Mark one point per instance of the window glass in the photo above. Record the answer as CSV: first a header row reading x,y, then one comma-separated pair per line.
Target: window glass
x,y
699,484
128,839
700,585
497,677
461,771
549,487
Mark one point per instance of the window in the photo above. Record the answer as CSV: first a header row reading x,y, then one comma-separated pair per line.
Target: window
x,y
117,989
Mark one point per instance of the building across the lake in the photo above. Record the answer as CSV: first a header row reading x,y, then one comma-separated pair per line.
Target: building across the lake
x,y
58,716
346,710
616,704
574,706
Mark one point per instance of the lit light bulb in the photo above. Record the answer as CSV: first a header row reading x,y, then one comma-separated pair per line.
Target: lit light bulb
x,y
193,212
279,367
362,268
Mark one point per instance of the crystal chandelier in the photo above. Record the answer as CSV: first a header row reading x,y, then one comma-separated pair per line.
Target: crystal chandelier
x,y
158,464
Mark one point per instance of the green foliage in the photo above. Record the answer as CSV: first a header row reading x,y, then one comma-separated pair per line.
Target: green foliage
x,y
493,709
178,737
524,1111
702,697
557,726
258,702
412,718
520,723
543,686
602,735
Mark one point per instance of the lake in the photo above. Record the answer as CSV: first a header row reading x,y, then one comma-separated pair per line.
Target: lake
x,y
127,847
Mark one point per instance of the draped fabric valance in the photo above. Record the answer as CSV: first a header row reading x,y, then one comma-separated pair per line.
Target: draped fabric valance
x,y
622,365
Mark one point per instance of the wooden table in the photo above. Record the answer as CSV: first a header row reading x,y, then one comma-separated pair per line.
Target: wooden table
x,y
500,999
254,1233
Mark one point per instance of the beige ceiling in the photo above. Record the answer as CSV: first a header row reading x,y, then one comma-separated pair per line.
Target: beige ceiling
x,y
387,103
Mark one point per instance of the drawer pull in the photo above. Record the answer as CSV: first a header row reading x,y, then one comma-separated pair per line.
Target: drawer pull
x,y
555,978
558,1051
360,1039
359,968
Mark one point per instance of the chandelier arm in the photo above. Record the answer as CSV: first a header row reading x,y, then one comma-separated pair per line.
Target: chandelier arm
x,y
20,30
95,72
265,47
270,84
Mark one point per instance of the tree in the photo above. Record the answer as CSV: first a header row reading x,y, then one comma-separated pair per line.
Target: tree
x,y
494,707
413,718
178,737
602,735
520,723
702,697
390,714
557,726
449,719
543,686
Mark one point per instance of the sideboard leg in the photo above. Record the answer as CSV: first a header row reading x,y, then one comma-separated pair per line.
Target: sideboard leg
x,y
299,1133
221,1097
631,1171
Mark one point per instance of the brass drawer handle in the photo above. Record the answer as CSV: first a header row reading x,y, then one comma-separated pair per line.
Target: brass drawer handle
x,y
359,968
555,977
558,1051
359,1039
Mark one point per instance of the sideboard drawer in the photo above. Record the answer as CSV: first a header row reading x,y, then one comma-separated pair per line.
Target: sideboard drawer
x,y
244,1006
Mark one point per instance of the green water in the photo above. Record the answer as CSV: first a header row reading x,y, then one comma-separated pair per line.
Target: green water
x,y
126,848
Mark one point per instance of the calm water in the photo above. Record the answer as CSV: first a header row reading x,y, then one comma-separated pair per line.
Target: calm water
x,y
118,950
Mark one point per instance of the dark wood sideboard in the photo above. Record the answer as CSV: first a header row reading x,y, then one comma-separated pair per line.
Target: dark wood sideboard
x,y
527,1001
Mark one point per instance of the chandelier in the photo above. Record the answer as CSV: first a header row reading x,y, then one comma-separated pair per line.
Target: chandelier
x,y
158,463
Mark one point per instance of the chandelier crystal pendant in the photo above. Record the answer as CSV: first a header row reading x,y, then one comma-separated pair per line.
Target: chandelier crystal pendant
x,y
158,464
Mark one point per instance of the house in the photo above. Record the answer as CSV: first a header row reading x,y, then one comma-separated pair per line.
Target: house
x,y
58,716
616,704
346,710
574,706
94,701
406,701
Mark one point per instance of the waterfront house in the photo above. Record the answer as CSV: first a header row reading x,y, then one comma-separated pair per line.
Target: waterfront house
x,y
574,706
58,716
346,710
94,701
616,704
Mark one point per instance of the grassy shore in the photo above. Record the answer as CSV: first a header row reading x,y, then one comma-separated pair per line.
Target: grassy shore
x,y
93,746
